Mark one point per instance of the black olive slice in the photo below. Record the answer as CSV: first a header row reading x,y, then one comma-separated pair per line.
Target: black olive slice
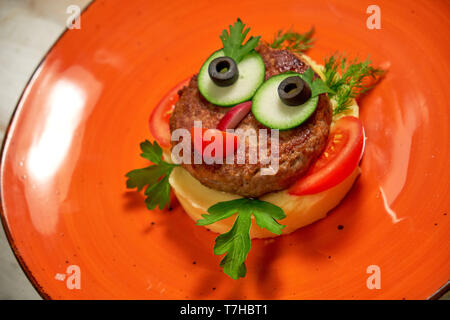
x,y
223,71
294,91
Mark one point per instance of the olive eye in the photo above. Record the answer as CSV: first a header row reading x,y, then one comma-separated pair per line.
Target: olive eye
x,y
294,91
223,71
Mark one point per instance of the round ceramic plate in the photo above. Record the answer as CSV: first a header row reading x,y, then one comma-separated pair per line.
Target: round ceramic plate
x,y
77,128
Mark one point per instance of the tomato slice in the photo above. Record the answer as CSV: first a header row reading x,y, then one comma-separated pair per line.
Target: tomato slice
x,y
159,118
341,156
204,137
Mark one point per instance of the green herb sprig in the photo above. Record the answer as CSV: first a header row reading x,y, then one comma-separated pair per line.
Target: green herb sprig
x,y
235,244
233,40
155,177
348,79
293,41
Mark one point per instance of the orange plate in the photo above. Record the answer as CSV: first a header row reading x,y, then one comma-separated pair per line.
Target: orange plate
x,y
77,128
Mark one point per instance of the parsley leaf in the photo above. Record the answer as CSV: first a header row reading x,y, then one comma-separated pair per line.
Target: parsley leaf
x,y
155,177
308,75
232,41
235,244
139,178
317,85
266,215
349,79
158,194
293,41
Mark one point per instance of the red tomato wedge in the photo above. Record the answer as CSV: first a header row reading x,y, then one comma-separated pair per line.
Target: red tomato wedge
x,y
228,142
159,118
341,156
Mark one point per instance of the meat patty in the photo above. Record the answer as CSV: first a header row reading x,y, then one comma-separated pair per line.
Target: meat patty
x,y
298,147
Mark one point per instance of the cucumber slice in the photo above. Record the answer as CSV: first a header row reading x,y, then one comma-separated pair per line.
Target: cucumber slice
x,y
268,108
251,76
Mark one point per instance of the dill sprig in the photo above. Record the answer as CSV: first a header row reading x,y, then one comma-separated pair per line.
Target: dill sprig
x,y
349,79
293,41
